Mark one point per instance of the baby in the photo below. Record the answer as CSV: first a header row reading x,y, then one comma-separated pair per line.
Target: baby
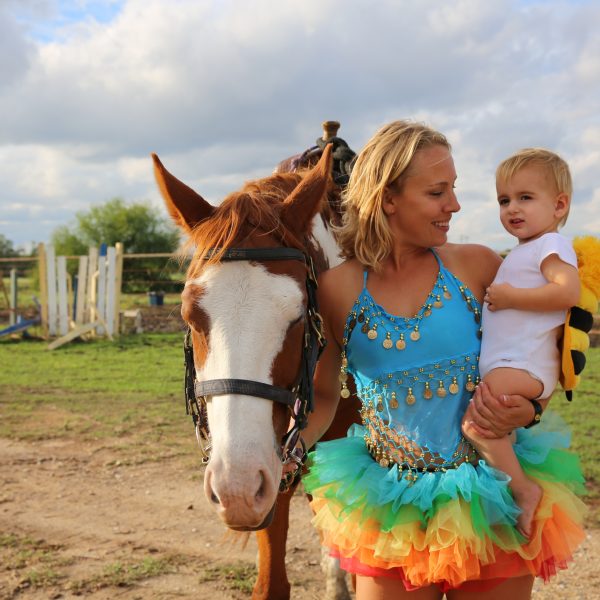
x,y
525,306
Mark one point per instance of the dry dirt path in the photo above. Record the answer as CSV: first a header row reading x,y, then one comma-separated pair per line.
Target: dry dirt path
x,y
72,519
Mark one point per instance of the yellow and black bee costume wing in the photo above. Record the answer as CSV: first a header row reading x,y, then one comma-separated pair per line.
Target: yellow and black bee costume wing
x,y
575,339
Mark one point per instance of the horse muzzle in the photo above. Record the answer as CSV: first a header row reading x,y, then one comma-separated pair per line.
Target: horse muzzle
x,y
244,503
267,521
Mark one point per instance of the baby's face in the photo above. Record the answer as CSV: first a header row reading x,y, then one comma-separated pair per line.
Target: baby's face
x,y
530,204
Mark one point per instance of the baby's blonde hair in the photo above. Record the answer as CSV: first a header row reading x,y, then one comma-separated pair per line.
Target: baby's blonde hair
x,y
365,233
553,165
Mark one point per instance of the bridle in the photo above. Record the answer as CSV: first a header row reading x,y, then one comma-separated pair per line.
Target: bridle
x,y
299,399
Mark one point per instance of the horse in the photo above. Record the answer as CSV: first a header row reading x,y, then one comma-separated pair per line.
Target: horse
x,y
254,332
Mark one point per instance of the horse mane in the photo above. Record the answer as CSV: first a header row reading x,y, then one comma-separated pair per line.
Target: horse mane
x,y
254,209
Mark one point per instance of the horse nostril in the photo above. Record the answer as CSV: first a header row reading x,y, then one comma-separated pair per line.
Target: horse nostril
x,y
208,488
261,488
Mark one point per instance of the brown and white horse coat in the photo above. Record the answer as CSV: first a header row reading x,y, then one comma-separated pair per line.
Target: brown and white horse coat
x,y
246,319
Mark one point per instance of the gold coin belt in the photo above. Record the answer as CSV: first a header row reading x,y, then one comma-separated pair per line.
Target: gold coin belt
x,y
388,447
442,379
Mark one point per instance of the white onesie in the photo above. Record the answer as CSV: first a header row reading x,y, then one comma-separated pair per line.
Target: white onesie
x,y
527,340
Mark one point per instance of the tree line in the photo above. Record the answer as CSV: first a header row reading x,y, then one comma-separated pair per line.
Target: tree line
x,y
138,226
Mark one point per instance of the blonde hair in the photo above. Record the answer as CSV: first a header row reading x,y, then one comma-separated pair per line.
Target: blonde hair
x,y
385,159
552,164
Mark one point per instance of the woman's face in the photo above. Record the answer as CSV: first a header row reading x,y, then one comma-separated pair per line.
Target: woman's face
x,y
419,213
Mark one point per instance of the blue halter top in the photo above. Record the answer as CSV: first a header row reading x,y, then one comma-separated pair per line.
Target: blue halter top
x,y
415,375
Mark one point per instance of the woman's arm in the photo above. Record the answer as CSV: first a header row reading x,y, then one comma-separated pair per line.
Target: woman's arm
x,y
496,416
326,381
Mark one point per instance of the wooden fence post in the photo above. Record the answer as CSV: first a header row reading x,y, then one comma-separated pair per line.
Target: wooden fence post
x,y
118,277
101,293
43,276
109,314
82,296
51,288
91,284
13,297
63,296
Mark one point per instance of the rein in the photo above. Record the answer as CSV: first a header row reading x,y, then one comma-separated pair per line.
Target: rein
x,y
299,399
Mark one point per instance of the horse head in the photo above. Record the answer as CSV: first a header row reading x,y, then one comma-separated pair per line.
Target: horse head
x,y
247,320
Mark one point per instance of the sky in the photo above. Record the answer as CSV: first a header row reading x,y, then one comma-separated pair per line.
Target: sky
x,y
223,90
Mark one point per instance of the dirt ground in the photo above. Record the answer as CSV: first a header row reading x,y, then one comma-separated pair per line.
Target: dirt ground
x,y
72,518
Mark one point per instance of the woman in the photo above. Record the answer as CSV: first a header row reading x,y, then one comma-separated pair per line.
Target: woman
x,y
403,500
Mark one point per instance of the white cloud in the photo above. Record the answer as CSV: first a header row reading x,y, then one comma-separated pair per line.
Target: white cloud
x,y
224,90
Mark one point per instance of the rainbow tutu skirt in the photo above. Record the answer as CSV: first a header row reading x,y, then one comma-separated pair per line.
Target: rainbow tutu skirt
x,y
454,528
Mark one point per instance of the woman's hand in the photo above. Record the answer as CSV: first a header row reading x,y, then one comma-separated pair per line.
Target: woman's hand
x,y
494,417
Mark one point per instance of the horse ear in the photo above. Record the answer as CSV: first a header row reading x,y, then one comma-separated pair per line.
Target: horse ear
x,y
186,207
303,203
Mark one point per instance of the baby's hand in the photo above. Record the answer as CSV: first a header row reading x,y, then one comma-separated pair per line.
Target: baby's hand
x,y
498,296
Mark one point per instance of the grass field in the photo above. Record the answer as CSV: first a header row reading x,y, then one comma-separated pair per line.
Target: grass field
x,y
133,388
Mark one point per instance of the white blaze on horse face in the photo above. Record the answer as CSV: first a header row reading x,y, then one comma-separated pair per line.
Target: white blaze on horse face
x,y
249,312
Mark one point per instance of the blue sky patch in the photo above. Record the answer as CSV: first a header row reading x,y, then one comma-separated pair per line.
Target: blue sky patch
x,y
45,23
